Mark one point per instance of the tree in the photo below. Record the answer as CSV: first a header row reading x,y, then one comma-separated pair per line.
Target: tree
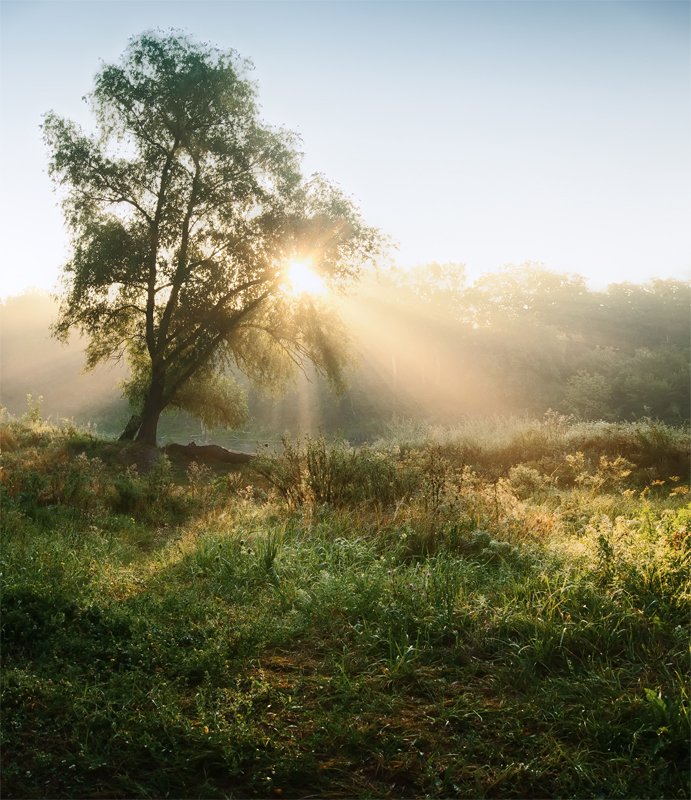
x,y
184,209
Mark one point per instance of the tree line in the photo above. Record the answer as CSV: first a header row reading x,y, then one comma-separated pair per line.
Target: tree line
x,y
521,341
427,345
185,211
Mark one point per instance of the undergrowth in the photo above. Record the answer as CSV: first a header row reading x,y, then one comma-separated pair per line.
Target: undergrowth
x,y
423,617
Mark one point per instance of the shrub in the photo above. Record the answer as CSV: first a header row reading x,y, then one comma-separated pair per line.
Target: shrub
x,y
526,481
316,472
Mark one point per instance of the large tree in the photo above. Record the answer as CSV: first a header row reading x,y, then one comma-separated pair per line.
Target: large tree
x,y
184,209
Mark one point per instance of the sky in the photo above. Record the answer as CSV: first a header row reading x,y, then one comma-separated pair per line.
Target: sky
x,y
483,132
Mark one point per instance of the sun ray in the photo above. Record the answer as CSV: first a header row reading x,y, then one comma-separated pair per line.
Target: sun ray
x,y
300,278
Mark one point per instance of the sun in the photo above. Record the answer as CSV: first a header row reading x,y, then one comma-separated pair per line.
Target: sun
x,y
301,279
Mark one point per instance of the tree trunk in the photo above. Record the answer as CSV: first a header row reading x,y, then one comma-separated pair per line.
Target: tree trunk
x,y
148,429
153,406
131,428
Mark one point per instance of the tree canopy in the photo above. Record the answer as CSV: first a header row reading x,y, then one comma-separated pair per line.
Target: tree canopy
x,y
184,209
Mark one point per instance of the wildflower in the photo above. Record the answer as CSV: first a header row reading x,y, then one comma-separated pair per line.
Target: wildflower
x,y
658,482
205,729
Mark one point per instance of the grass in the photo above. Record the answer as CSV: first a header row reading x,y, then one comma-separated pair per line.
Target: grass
x,y
425,618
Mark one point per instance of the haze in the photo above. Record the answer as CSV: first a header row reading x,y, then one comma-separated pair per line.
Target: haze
x,y
427,348
479,133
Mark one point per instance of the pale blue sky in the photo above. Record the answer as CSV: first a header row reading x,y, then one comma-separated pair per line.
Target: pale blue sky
x,y
480,132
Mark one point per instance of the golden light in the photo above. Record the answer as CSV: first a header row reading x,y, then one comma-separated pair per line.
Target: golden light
x,y
300,279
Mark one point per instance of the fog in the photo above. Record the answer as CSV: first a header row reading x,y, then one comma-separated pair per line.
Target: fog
x,y
426,346
33,363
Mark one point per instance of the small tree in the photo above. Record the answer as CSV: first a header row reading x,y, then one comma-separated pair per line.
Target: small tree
x,y
184,209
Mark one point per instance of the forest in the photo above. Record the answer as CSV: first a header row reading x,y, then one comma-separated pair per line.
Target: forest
x,y
426,346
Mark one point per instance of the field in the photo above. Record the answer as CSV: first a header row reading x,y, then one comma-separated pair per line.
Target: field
x,y
495,610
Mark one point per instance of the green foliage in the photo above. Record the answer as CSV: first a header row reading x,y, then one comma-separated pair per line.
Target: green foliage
x,y
494,446
526,481
588,396
528,634
48,470
33,408
183,209
315,471
217,400
524,340
432,348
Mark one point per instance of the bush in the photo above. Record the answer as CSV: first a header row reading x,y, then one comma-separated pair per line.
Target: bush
x,y
316,472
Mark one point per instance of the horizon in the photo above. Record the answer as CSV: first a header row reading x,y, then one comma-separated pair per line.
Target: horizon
x,y
470,282
481,134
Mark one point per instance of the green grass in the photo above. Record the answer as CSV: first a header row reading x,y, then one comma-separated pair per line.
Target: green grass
x,y
395,621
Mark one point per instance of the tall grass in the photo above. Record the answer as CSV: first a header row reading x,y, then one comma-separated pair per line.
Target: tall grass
x,y
399,620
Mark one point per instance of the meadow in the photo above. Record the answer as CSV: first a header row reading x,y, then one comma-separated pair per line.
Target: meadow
x,y
499,609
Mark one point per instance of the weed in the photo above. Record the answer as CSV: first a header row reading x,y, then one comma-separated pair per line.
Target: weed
x,y
465,613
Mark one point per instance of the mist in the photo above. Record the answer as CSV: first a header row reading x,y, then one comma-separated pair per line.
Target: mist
x,y
34,363
426,346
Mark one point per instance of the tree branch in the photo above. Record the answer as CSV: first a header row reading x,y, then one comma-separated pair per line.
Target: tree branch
x,y
208,349
182,259
153,256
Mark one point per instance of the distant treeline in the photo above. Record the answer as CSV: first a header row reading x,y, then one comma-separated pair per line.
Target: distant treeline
x,y
426,345
521,341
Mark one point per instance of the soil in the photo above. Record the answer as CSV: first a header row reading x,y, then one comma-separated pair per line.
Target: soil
x,y
208,453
